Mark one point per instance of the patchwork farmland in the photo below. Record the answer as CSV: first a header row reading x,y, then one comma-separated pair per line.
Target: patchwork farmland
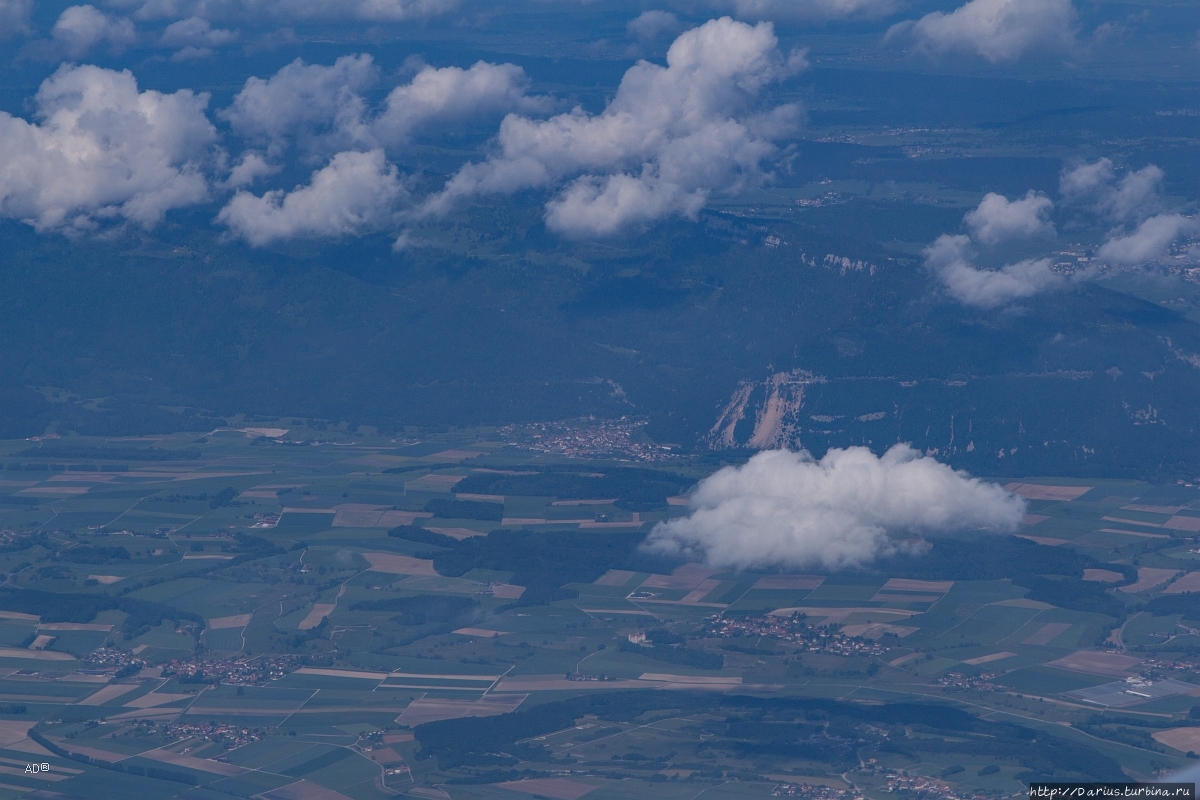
x,y
252,618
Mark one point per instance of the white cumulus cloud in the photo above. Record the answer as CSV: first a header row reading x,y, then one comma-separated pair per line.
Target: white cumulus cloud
x,y
81,28
594,206
786,509
14,18
1143,233
669,138
649,25
195,38
950,258
304,101
811,10
354,193
1133,197
288,10
249,169
371,10
1086,179
323,108
1148,242
995,220
998,219
996,30
436,97
99,148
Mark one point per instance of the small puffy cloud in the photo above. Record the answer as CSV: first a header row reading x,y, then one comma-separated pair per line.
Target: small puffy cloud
x,y
356,192
1132,201
1086,179
324,107
195,38
314,10
592,206
14,18
249,169
437,97
303,101
81,28
786,509
950,259
100,149
372,10
1133,197
406,241
650,25
812,10
996,30
191,53
669,138
1148,242
995,220
998,219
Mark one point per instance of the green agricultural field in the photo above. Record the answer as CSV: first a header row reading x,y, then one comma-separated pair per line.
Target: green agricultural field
x,y
275,647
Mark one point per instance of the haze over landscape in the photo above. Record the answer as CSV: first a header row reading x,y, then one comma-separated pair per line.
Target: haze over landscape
x,y
684,399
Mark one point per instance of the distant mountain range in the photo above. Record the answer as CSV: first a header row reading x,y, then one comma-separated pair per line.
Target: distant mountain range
x,y
719,344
